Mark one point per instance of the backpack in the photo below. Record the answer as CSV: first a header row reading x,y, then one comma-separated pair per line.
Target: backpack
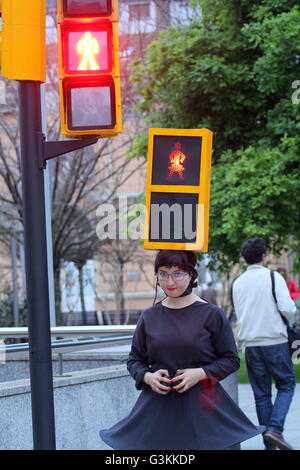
x,y
292,331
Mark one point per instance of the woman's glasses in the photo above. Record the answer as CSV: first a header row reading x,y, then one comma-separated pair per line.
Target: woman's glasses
x,y
177,276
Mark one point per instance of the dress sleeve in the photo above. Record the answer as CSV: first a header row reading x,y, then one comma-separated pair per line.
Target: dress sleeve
x,y
225,348
137,363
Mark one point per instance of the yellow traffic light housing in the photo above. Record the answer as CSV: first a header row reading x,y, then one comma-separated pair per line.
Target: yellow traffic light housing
x,y
90,97
177,189
23,43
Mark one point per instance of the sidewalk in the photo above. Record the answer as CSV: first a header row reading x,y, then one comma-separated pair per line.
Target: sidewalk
x,y
292,428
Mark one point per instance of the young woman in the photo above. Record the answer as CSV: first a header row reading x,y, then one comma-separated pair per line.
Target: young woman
x,y
181,349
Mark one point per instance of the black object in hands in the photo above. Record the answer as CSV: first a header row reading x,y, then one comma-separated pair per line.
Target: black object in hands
x,y
177,382
173,384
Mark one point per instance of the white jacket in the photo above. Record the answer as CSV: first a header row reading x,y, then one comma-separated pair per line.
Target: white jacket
x,y
259,321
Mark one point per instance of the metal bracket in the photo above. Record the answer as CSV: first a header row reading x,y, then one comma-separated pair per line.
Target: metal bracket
x,y
60,147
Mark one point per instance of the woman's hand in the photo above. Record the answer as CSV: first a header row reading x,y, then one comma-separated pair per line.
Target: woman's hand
x,y
156,380
189,378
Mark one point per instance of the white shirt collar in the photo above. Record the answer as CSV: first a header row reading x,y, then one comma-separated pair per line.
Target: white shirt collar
x,y
255,266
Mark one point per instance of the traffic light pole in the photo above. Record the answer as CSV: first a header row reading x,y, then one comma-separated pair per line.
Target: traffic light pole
x,y
35,151
41,378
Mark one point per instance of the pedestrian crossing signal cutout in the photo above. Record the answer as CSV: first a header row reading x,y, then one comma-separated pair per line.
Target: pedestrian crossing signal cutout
x,y
176,159
88,48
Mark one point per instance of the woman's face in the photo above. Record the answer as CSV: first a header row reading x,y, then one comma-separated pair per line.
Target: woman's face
x,y
173,280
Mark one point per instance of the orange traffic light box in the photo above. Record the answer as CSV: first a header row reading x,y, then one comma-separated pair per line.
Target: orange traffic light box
x,y
177,189
23,40
89,67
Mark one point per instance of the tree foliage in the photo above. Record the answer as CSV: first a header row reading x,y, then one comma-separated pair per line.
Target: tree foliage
x,y
255,192
232,71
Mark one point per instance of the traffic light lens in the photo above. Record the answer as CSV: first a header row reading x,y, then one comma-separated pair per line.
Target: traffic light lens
x,y
88,50
79,8
173,217
176,160
91,105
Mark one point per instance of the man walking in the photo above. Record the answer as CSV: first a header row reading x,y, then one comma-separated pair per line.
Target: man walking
x,y
264,335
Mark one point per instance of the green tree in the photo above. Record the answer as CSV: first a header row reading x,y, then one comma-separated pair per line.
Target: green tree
x,y
232,71
255,192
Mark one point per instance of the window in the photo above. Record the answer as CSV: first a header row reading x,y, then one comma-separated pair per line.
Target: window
x,y
139,11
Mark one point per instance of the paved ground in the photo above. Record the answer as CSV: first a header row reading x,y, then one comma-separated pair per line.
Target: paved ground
x,y
292,427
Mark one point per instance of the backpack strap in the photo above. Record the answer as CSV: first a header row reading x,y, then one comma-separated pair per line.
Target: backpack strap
x,y
273,286
275,298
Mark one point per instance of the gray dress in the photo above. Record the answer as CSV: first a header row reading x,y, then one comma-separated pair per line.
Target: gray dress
x,y
202,418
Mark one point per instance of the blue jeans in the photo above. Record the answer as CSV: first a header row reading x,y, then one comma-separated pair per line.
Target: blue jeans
x,y
265,363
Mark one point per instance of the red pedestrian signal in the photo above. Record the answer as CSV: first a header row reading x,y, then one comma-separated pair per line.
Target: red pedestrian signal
x,y
177,189
176,159
89,67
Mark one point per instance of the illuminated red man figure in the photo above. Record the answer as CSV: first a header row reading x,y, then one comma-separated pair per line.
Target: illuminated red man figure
x,y
176,158
88,47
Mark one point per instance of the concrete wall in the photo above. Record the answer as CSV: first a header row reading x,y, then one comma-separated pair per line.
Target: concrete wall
x,y
15,368
85,402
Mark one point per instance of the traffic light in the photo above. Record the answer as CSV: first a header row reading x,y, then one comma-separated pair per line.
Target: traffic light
x,y
23,43
90,97
177,189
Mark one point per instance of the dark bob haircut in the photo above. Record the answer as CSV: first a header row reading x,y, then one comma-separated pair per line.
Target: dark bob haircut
x,y
253,250
185,260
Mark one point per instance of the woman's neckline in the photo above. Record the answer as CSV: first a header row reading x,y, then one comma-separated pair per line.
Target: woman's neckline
x,y
186,306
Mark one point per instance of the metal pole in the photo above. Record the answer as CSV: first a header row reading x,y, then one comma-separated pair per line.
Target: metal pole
x,y
48,208
41,377
13,250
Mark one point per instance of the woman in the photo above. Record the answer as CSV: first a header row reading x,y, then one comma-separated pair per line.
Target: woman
x,y
181,348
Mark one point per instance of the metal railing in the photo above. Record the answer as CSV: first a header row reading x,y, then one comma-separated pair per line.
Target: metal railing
x,y
111,335
22,332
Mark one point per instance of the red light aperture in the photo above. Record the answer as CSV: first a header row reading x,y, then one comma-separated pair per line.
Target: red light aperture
x,y
176,158
87,49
